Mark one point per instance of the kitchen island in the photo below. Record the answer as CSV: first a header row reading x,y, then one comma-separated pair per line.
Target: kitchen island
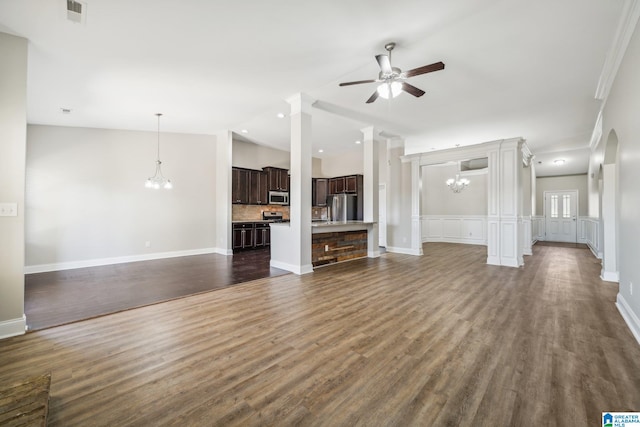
x,y
331,241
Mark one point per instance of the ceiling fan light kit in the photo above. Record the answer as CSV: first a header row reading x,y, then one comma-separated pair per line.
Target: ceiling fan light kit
x,y
392,79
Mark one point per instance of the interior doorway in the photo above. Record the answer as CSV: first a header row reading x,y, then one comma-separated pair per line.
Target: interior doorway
x,y
561,213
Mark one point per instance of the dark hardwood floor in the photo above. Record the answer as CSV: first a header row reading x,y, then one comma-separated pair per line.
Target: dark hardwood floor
x,y
442,339
60,297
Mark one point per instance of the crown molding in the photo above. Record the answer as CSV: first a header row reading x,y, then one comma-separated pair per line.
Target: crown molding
x,y
626,26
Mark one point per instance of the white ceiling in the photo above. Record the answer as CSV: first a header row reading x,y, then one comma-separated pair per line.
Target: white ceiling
x,y
513,68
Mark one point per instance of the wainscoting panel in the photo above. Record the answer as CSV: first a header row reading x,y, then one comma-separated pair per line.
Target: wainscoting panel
x,y
467,229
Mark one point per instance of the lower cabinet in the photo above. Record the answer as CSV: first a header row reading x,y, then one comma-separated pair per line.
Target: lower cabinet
x,y
250,235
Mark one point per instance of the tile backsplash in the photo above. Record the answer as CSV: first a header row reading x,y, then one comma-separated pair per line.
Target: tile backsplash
x,y
254,212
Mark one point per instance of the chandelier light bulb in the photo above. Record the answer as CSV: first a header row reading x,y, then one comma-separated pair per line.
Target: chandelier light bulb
x,y
458,184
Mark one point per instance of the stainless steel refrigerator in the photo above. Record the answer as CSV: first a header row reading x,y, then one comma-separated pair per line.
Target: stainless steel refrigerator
x,y
343,207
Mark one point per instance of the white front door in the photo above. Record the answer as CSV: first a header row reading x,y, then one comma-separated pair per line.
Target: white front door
x,y
560,211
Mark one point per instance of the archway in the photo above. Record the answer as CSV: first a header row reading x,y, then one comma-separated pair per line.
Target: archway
x,y
609,209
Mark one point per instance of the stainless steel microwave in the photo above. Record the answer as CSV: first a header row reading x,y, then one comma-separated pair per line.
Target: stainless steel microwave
x,y
278,198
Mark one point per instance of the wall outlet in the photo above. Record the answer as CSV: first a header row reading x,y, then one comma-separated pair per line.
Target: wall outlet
x,y
147,244
8,209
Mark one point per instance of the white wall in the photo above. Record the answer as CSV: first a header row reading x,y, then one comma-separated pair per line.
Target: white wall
x,y
349,163
557,183
13,125
398,202
438,199
621,115
86,200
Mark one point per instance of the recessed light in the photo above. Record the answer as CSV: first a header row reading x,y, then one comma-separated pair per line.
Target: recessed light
x,y
321,151
280,115
358,142
558,162
244,131
65,110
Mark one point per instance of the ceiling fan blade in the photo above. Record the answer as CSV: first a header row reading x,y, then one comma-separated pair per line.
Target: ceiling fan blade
x,y
412,90
357,83
373,97
384,63
425,69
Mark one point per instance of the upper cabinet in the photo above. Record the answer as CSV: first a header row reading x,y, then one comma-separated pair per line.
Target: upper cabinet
x,y
258,188
346,184
240,185
278,178
319,191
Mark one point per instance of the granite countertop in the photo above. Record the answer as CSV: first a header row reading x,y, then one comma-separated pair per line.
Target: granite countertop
x,y
334,223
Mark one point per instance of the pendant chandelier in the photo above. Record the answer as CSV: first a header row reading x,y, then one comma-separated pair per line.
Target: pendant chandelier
x,y
457,184
158,180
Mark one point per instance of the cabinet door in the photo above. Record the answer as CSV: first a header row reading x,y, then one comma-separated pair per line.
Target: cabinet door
x,y
258,193
239,185
320,193
247,237
237,238
351,184
336,185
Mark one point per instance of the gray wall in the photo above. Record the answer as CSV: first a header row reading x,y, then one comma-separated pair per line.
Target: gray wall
x,y
558,183
86,200
621,116
13,125
438,199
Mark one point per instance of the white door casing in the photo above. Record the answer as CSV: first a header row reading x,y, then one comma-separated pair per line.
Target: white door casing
x,y
560,212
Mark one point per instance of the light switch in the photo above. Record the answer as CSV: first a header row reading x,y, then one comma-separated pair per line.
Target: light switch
x,y
8,209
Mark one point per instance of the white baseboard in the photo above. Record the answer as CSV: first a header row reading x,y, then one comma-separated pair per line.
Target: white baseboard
x,y
629,316
405,251
610,276
42,268
13,327
296,269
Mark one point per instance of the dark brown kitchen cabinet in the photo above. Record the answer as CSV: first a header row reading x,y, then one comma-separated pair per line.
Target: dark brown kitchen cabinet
x,y
278,178
336,185
243,235
240,181
346,184
258,188
262,235
319,191
353,184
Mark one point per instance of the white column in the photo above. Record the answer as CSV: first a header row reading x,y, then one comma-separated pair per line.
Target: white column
x,y
371,189
13,143
504,229
291,243
416,229
609,257
224,153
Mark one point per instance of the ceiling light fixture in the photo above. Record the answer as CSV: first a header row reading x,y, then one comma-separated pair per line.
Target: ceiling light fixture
x,y
558,162
390,89
158,180
457,184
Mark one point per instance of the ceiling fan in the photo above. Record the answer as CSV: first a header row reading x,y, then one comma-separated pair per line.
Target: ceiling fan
x,y
392,79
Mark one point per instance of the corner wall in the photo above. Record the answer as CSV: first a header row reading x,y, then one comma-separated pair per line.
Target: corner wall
x,y
13,128
87,205
621,115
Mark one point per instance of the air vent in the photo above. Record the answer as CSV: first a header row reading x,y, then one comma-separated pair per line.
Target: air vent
x,y
75,11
